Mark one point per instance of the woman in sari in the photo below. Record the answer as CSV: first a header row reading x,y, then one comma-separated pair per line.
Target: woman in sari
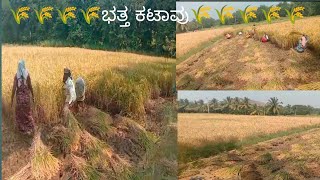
x,y
22,88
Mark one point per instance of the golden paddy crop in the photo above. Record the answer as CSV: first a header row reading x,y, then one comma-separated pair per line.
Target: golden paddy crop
x,y
190,40
196,128
46,64
286,35
282,33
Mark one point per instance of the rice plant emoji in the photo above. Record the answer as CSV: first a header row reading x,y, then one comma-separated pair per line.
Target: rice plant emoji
x,y
201,12
90,14
295,12
20,14
67,13
273,13
225,13
248,13
44,14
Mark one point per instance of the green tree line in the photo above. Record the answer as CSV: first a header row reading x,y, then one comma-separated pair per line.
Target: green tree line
x,y
245,106
157,38
311,9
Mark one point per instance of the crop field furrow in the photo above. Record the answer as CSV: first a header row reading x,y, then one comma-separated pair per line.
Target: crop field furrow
x,y
295,156
248,64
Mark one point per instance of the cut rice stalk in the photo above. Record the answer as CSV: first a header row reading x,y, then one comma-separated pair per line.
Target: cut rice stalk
x,y
43,164
95,121
81,170
72,139
23,174
102,156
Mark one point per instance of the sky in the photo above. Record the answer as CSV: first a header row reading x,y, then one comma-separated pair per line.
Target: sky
x,y
311,98
218,5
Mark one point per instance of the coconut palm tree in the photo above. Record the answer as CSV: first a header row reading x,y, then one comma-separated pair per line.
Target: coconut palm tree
x,y
246,104
227,103
274,106
236,104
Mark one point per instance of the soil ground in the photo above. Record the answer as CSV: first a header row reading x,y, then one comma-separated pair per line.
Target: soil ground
x,y
241,63
291,157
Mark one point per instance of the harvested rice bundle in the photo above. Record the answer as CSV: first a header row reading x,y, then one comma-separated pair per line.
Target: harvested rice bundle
x,y
95,121
43,164
101,156
145,138
130,140
92,147
23,174
72,139
57,139
81,170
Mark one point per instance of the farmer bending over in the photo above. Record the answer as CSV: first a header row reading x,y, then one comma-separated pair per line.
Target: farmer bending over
x,y
265,38
80,93
228,36
22,88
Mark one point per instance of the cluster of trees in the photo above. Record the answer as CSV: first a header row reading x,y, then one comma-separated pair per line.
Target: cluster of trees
x,y
245,106
156,38
311,9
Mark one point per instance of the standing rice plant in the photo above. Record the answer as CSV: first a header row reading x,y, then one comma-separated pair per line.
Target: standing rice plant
x,y
20,13
43,164
248,13
114,92
295,12
225,13
202,12
273,13
44,14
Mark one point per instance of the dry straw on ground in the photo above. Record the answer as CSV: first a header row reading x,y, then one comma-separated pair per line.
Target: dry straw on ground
x,y
43,164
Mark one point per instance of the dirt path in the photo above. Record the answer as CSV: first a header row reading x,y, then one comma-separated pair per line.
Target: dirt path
x,y
241,63
291,157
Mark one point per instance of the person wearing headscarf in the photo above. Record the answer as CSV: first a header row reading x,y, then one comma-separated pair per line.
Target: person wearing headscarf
x,y
69,88
22,89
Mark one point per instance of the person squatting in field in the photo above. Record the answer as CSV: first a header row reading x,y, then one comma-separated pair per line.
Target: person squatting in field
x,y
74,94
302,44
265,38
22,88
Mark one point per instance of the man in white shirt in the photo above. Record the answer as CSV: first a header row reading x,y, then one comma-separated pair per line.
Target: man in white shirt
x,y
69,88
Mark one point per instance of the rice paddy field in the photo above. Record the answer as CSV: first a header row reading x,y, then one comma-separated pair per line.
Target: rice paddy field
x,y
122,132
247,64
124,79
216,146
211,127
190,40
